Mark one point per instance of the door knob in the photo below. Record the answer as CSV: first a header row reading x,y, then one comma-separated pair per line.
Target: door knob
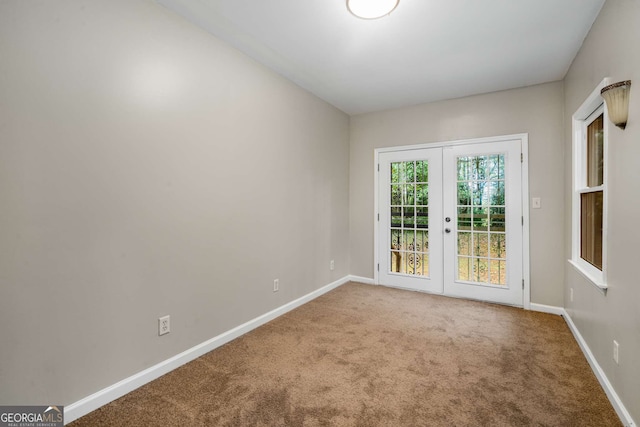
x,y
447,219
447,230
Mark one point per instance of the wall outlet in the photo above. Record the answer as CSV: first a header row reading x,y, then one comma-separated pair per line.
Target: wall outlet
x,y
164,325
571,294
616,352
276,285
332,265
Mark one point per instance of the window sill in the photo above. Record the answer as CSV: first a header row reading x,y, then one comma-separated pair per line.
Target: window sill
x,y
595,281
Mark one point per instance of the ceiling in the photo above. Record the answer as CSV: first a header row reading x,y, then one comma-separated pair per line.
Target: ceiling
x,y
426,50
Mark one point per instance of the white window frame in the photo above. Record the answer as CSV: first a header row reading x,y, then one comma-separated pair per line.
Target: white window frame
x,y
579,184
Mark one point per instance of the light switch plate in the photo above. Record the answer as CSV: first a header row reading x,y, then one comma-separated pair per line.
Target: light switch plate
x,y
536,203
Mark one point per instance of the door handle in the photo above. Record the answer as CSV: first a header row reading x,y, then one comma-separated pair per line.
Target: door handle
x,y
447,230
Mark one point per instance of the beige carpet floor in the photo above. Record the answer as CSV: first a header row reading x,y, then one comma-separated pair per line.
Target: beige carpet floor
x,y
372,356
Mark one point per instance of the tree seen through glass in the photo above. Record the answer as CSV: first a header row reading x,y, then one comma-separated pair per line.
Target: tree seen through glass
x,y
481,211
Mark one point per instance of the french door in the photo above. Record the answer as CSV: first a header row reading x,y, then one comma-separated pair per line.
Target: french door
x,y
450,220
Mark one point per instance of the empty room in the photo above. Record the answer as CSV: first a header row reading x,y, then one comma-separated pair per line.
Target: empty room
x,y
319,213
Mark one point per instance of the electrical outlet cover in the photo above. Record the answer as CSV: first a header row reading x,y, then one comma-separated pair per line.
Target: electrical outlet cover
x,y
164,325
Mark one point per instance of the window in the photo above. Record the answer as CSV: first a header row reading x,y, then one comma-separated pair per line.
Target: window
x,y
590,131
591,196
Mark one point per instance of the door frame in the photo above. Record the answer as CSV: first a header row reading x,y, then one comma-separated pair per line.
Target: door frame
x,y
524,141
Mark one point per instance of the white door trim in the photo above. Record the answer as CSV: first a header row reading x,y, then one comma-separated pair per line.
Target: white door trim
x,y
524,139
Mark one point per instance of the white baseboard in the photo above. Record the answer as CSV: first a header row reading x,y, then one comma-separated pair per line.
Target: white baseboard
x,y
360,279
617,404
115,391
547,309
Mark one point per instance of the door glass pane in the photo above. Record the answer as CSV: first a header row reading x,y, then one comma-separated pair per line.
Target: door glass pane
x,y
414,263
396,195
464,193
480,219
464,244
464,269
409,172
496,169
496,193
395,174
422,171
396,262
481,243
396,239
425,265
422,194
480,270
422,241
409,216
496,219
478,192
409,220
498,245
478,167
401,169
409,240
396,216
464,217
422,217
408,194
498,272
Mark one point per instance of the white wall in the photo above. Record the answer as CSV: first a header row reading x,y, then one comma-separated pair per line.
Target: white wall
x,y
611,50
146,169
536,110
